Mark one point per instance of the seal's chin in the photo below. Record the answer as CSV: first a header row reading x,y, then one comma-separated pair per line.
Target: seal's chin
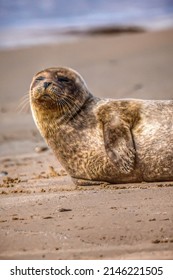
x,y
37,96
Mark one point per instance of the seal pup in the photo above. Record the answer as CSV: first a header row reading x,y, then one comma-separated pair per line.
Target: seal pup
x,y
102,140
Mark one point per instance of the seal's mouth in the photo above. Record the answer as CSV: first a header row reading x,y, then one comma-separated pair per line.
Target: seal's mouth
x,y
45,97
45,90
38,95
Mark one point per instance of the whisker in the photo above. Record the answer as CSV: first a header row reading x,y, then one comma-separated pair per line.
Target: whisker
x,y
74,105
24,104
64,106
69,107
24,101
67,111
25,108
25,95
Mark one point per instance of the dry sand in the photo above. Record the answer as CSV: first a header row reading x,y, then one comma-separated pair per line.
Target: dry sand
x,y
42,214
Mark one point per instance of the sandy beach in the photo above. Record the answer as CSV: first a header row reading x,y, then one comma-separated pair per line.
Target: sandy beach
x,y
42,214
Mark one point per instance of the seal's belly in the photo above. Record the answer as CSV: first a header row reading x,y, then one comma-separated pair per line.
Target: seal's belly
x,y
154,147
93,163
84,156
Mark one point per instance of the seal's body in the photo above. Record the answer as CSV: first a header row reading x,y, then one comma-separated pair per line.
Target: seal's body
x,y
102,140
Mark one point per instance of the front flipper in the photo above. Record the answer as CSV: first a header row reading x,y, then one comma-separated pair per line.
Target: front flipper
x,y
119,144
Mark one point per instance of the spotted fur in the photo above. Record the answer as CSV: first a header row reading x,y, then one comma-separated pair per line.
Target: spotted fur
x,y
102,140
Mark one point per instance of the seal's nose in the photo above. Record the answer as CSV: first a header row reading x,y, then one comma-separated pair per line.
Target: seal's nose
x,y
46,84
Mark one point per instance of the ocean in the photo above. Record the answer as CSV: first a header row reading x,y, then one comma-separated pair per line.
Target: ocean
x,y
33,22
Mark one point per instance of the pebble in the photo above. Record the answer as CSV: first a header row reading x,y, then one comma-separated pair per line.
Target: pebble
x,y
39,149
3,173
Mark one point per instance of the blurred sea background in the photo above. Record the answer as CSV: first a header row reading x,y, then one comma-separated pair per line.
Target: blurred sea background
x,y
33,22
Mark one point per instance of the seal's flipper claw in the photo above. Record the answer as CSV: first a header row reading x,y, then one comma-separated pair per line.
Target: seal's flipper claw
x,y
87,183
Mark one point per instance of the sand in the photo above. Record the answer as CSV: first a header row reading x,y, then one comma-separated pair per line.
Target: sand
x,y
42,214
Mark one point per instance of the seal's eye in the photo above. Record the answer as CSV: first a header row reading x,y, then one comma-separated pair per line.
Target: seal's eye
x,y
63,79
39,78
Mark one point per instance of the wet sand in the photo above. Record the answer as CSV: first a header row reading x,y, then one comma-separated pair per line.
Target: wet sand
x,y
42,214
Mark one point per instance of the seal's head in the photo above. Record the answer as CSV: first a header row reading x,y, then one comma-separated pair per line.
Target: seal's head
x,y
57,91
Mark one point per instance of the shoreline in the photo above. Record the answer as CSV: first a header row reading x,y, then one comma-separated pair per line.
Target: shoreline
x,y
24,37
40,37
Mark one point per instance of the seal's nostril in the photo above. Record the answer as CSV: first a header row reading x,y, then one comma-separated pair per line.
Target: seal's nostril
x,y
46,84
